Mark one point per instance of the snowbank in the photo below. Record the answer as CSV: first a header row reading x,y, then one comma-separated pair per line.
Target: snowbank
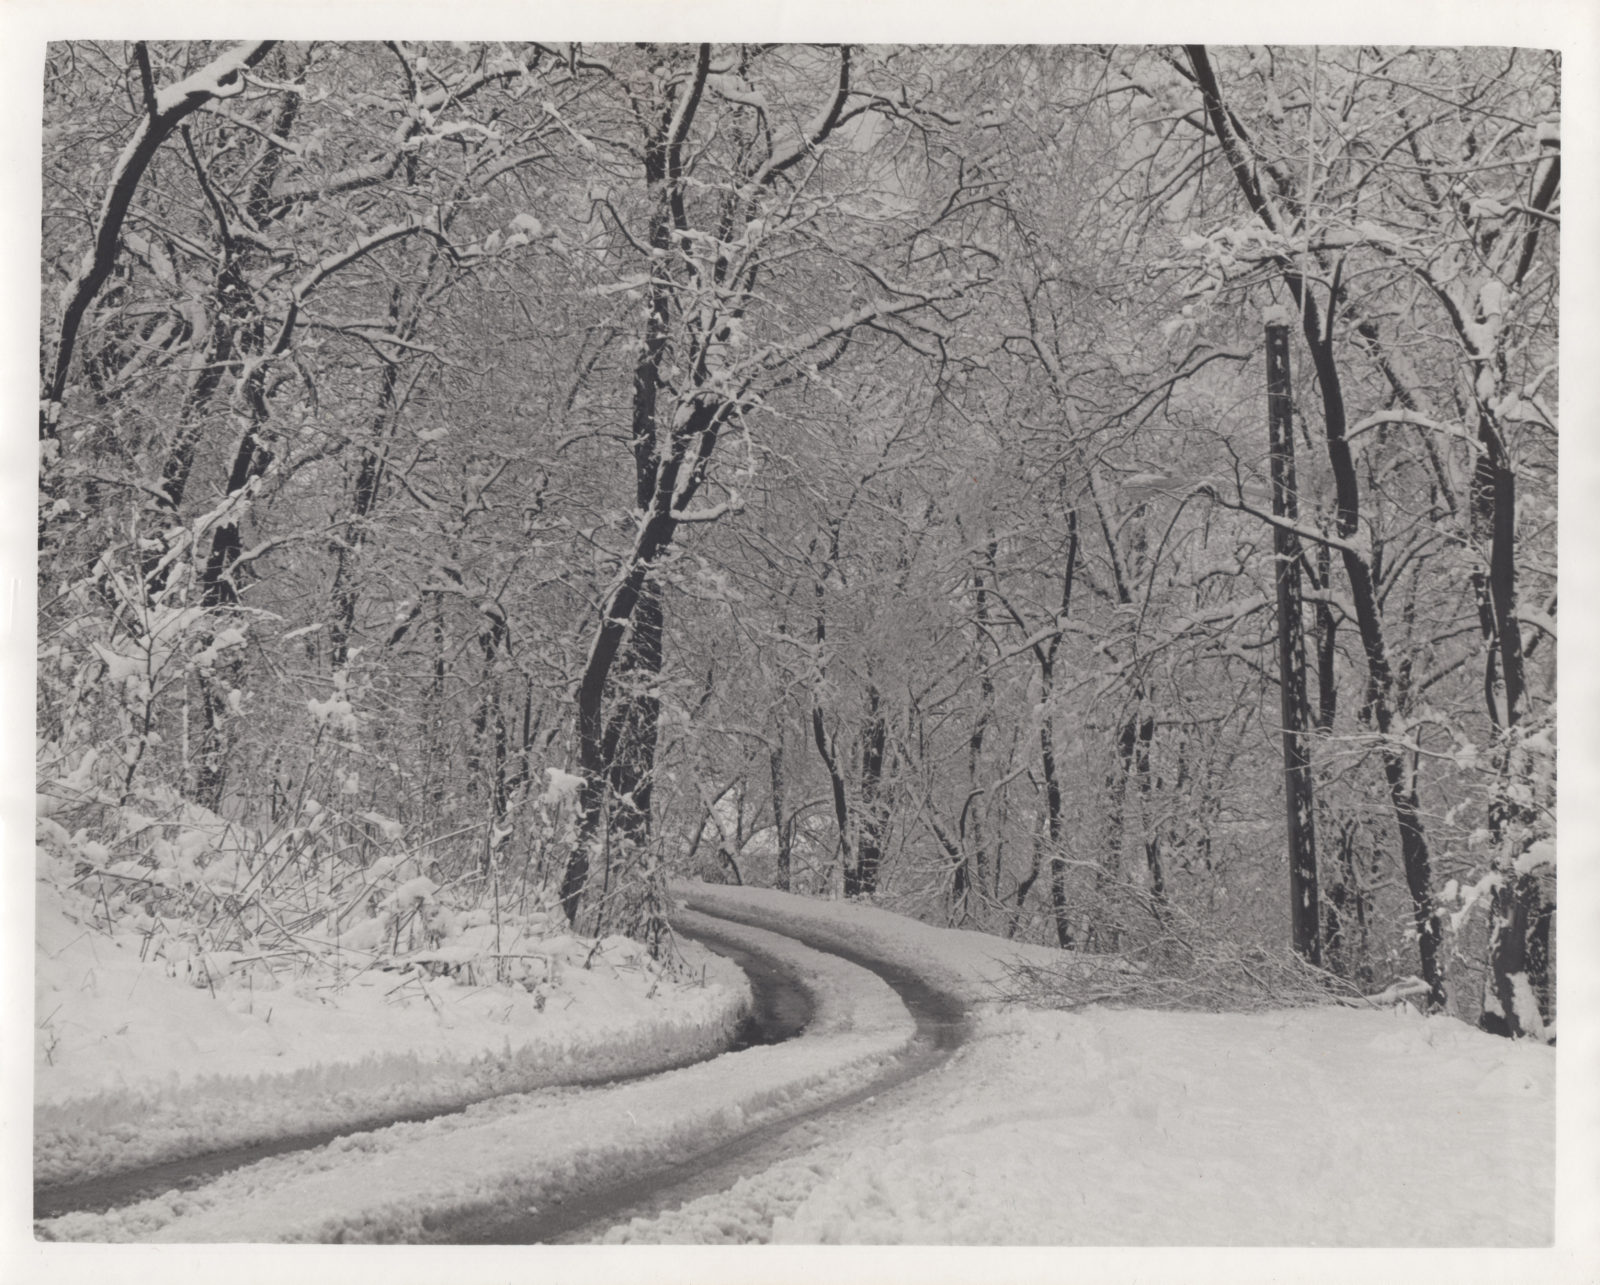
x,y
406,1181
140,1060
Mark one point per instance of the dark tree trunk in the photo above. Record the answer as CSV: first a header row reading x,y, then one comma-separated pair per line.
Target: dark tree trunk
x,y
830,760
1025,885
594,762
1299,801
1399,766
783,834
1516,996
841,807
631,736
1152,831
1346,934
1112,862
1327,641
1103,933
869,851
1046,657
155,127
489,731
972,866
433,731
1058,863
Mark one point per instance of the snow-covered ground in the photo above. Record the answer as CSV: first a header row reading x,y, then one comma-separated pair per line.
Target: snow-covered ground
x,y
140,1057
525,1148
1325,1126
1307,1127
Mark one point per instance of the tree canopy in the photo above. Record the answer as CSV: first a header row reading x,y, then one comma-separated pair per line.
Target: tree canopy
x,y
842,468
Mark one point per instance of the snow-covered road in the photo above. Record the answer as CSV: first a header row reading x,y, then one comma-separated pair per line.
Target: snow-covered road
x,y
781,1008
940,1028
419,1181
1328,1127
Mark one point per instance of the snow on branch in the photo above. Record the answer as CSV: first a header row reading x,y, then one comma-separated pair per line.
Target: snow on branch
x,y
1399,416
362,246
1353,547
683,114
733,504
774,354
221,77
822,125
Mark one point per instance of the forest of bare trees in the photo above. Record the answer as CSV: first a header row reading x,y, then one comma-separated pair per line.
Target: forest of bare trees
x,y
1105,496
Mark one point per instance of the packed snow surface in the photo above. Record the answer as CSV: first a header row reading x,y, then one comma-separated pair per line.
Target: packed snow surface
x,y
1314,1127
140,1059
1324,1126
398,1183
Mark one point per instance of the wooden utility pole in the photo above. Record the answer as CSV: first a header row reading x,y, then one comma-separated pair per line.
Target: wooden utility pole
x,y
1303,912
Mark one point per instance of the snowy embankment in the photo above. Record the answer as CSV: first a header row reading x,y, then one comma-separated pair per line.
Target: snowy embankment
x,y
406,1181
1316,1126
140,1060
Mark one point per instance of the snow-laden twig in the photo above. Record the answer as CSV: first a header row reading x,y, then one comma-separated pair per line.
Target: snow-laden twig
x,y
222,77
710,514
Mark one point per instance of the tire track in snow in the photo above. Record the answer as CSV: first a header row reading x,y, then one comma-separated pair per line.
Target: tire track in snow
x,y
781,1009
421,1183
581,1218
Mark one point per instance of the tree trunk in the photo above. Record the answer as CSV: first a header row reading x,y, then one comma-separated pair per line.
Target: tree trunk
x,y
1345,934
1052,802
1047,755
489,731
1148,820
825,749
594,761
1516,993
1399,766
1025,885
971,873
1299,801
631,735
783,835
1516,990
165,112
841,807
869,851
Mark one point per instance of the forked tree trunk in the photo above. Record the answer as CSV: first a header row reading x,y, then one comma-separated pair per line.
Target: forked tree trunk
x,y
165,111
